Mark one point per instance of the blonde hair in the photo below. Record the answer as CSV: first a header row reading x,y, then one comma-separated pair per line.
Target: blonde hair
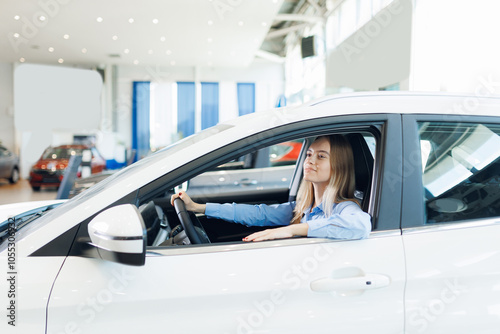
x,y
342,181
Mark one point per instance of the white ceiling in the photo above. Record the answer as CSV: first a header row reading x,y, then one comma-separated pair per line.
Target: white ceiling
x,y
160,32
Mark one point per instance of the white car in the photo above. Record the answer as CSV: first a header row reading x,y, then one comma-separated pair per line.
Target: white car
x,y
116,258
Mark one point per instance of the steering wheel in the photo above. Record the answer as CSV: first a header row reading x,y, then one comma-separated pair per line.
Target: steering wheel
x,y
196,235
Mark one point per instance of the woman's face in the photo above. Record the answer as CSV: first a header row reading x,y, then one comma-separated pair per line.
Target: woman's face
x,y
317,167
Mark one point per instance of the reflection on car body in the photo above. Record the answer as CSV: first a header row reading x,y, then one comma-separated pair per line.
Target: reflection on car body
x,y
118,257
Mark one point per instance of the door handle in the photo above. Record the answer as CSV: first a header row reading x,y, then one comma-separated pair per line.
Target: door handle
x,y
245,182
366,282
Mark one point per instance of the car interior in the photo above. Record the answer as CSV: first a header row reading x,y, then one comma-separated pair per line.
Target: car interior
x,y
167,225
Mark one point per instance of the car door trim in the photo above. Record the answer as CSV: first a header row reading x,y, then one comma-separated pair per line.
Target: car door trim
x,y
451,226
243,246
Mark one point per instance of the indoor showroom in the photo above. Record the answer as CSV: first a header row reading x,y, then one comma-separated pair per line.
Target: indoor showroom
x,y
249,166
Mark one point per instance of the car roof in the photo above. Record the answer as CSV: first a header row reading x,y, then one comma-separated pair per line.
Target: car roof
x,y
415,102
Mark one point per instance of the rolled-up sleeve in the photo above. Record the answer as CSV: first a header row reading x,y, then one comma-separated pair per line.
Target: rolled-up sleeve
x,y
348,221
252,215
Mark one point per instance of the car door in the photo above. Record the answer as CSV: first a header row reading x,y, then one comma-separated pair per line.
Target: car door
x,y
451,221
297,285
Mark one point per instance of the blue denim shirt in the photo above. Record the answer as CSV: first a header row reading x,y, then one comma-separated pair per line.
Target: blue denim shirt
x,y
347,220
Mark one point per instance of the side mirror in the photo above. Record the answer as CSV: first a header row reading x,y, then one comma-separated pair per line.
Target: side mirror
x,y
119,234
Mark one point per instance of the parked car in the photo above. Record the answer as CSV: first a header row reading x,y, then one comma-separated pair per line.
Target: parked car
x,y
9,165
95,263
49,169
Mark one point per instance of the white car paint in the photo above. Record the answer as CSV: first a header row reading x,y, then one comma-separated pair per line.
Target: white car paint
x,y
257,286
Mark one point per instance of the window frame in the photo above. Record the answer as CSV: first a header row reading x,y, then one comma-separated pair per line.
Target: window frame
x,y
413,218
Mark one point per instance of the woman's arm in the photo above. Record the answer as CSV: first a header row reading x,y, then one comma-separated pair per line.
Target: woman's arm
x,y
294,230
348,221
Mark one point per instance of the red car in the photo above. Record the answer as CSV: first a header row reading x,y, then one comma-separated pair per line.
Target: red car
x,y
49,169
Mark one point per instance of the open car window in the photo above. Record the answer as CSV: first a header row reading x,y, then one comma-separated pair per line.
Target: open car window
x,y
262,176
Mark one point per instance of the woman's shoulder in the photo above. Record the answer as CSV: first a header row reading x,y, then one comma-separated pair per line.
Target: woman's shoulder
x,y
351,204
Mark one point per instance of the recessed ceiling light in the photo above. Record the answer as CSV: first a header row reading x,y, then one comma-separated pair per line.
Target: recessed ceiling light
x,y
130,20
264,24
150,52
60,60
163,39
17,17
172,62
168,52
240,23
16,35
209,40
114,38
51,49
66,36
84,50
42,18
136,62
99,19
210,22
126,51
22,60
155,21
209,53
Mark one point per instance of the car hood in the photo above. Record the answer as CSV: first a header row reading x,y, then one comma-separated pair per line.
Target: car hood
x,y
9,210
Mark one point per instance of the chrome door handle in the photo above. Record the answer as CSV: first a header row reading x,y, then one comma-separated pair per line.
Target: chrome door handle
x,y
245,182
366,282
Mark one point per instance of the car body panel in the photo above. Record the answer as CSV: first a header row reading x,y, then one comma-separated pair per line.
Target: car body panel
x,y
236,282
235,291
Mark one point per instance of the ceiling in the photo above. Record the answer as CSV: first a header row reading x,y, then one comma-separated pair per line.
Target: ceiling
x,y
209,33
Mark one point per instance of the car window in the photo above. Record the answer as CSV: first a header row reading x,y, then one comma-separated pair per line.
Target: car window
x,y
461,170
268,168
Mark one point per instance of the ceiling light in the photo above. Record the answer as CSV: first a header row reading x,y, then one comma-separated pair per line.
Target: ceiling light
x,y
168,52
60,60
16,35
42,18
17,18
172,62
126,51
240,23
155,21
22,60
163,39
150,52
209,53
84,50
209,40
51,49
210,22
99,19
264,24
136,62
66,36
130,20
114,38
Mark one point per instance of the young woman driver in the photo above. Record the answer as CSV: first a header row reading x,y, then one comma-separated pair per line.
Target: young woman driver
x,y
325,205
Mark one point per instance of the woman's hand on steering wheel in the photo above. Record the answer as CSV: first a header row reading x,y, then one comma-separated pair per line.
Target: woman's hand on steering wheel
x,y
188,202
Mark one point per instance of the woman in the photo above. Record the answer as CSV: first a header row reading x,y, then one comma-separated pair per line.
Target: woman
x,y
325,204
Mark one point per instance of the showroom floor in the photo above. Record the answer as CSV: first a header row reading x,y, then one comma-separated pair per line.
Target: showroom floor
x,y
22,192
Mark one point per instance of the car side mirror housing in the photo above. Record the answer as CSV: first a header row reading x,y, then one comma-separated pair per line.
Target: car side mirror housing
x,y
119,234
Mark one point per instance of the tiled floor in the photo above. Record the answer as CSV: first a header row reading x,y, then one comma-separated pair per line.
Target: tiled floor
x,y
22,192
